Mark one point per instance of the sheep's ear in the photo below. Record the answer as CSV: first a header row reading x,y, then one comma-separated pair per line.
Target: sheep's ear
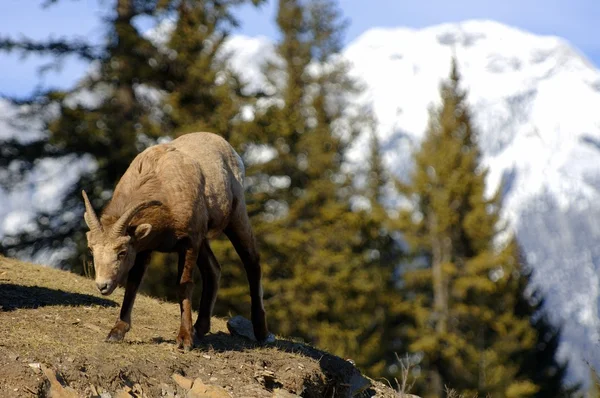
x,y
142,231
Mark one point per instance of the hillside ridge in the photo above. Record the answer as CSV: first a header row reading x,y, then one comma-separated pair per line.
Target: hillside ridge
x,y
53,326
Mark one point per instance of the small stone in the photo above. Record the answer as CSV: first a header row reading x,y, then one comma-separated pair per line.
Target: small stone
x,y
205,356
183,382
240,326
36,366
123,394
201,390
56,389
167,390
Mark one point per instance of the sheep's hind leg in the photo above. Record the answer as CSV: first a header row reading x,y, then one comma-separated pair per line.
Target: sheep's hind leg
x,y
210,269
187,261
240,234
134,278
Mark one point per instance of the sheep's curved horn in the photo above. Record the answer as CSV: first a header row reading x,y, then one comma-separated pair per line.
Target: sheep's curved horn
x,y
120,226
90,216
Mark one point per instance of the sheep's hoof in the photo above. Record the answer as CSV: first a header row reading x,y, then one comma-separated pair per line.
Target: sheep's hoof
x,y
185,342
201,329
186,347
116,335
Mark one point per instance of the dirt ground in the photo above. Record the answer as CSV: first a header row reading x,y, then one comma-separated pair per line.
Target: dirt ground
x,y
56,319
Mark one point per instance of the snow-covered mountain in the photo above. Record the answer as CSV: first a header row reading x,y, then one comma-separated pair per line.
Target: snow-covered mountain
x,y
535,101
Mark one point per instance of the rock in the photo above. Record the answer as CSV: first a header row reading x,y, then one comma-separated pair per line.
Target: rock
x,y
183,382
123,394
56,389
201,390
136,390
240,326
352,382
167,390
357,384
37,367
266,378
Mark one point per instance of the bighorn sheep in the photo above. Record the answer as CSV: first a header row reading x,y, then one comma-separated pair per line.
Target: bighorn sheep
x,y
173,198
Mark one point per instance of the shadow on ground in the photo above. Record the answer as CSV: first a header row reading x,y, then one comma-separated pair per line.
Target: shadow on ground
x,y
14,297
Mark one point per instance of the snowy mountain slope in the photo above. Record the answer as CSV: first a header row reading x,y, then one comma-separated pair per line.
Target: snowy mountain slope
x,y
533,97
535,102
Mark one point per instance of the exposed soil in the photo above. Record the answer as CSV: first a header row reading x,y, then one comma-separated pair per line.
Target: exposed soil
x,y
57,319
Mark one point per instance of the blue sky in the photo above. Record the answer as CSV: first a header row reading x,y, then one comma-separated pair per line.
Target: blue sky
x,y
575,20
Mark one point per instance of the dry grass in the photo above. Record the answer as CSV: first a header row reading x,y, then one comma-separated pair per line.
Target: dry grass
x,y
404,385
58,319
450,393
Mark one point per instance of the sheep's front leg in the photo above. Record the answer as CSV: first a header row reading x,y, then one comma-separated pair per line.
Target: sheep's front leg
x,y
187,262
134,278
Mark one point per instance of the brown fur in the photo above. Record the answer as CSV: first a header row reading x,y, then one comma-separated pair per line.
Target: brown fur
x,y
198,180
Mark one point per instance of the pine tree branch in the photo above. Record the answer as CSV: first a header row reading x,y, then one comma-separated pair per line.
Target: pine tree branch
x,y
57,47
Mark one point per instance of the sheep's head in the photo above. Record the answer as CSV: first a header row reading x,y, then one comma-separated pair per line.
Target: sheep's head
x,y
113,249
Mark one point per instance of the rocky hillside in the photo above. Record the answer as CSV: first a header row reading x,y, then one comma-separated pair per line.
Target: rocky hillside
x,y
52,328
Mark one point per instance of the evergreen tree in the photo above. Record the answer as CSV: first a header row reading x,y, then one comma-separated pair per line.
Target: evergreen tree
x,y
204,95
382,255
462,289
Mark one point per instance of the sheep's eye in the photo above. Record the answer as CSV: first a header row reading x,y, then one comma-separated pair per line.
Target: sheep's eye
x,y
90,252
122,254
